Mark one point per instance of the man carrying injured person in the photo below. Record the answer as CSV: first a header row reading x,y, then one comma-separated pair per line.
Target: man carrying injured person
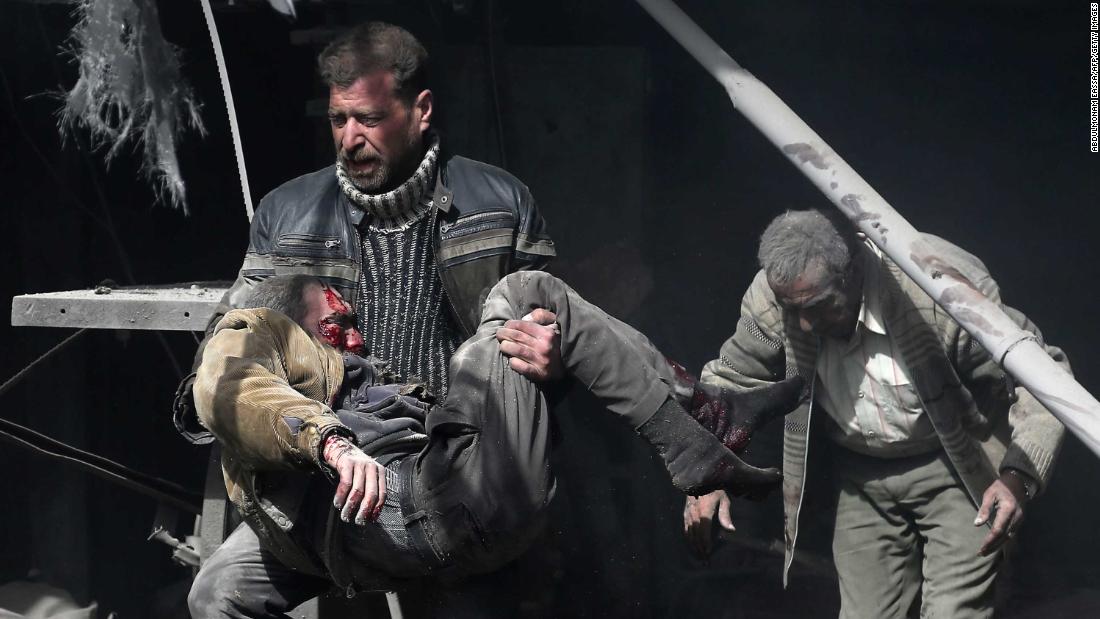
x,y
344,475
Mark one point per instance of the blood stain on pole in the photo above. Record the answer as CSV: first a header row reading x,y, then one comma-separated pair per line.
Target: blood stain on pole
x,y
962,295
806,153
854,210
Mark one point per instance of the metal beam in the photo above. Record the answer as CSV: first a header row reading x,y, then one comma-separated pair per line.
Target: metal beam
x,y
183,308
230,108
1017,350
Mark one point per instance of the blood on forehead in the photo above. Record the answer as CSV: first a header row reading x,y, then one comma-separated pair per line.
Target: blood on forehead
x,y
335,328
334,301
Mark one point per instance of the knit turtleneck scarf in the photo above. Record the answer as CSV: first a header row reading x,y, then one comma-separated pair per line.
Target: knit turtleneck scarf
x,y
402,304
397,209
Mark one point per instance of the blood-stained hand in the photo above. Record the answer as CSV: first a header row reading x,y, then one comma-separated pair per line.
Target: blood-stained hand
x,y
361,489
699,520
533,345
1004,502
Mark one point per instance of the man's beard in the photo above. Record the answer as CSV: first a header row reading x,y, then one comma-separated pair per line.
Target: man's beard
x,y
387,174
366,181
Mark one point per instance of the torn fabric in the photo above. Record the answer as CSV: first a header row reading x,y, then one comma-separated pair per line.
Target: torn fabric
x,y
130,89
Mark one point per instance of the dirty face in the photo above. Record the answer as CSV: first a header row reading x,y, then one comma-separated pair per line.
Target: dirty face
x,y
330,318
823,304
378,137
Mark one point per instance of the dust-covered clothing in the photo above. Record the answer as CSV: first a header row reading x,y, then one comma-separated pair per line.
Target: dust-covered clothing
x,y
473,497
984,423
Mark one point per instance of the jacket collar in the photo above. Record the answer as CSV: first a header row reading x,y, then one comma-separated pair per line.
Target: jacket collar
x,y
441,197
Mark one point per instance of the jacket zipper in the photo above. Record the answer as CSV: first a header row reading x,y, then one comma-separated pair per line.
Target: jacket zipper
x,y
289,240
487,216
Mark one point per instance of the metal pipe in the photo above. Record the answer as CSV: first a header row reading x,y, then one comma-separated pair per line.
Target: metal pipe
x,y
1016,349
231,110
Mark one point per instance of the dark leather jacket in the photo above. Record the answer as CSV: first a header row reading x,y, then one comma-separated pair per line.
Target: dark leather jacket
x,y
486,225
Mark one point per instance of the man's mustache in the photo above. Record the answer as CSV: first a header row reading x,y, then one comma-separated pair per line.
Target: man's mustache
x,y
359,155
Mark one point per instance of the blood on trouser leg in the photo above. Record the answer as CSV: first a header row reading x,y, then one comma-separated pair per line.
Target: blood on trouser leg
x,y
737,440
681,372
711,413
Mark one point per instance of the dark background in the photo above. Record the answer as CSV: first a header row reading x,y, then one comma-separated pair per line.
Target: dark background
x,y
970,117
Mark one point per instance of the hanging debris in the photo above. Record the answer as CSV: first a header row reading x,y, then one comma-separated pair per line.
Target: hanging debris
x,y
284,8
130,89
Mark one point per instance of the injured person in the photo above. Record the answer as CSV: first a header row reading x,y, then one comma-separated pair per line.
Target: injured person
x,y
345,474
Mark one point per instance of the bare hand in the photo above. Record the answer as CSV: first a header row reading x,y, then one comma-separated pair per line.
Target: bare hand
x,y
533,345
699,519
362,486
1004,500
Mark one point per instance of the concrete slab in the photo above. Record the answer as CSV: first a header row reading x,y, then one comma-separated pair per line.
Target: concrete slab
x,y
177,307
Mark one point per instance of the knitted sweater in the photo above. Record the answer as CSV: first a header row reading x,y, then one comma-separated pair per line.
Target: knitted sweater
x,y
402,304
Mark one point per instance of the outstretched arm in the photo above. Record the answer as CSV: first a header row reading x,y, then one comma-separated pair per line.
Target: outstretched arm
x,y
1033,435
699,514
752,357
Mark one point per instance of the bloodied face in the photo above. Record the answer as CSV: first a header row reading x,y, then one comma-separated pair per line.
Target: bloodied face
x,y
330,318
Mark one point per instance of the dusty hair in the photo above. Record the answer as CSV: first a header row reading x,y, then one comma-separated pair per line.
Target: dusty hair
x,y
283,293
797,240
373,46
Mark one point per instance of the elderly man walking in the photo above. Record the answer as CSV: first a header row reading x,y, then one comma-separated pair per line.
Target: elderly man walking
x,y
935,453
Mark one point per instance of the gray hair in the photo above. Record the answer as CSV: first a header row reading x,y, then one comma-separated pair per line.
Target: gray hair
x,y
283,293
373,46
796,240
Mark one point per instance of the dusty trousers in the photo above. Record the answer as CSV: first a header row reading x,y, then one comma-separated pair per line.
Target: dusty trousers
x,y
905,536
481,485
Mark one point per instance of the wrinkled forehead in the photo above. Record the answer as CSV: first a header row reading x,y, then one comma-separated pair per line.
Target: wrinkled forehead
x,y
813,286
375,89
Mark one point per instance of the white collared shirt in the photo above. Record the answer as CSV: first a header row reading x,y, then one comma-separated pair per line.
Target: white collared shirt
x,y
866,388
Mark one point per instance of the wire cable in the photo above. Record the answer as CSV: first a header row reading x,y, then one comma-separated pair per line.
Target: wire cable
x,y
148,485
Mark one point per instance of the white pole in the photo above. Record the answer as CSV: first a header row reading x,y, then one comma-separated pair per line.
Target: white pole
x,y
223,73
1014,348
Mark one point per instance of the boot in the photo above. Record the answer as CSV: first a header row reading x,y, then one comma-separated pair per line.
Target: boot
x,y
734,416
697,461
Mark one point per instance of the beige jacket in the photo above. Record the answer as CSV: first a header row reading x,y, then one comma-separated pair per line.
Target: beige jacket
x,y
985,422
264,389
